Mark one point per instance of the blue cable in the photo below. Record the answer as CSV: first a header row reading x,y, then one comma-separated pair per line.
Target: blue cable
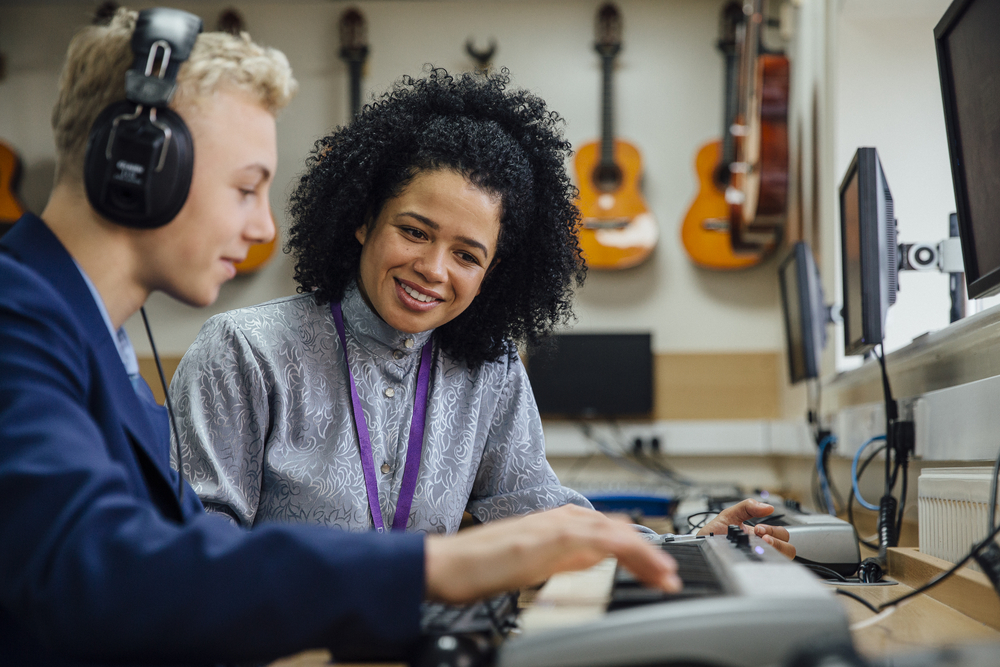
x,y
824,483
854,474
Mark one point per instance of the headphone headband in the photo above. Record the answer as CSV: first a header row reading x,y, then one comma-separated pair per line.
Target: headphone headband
x,y
170,32
140,156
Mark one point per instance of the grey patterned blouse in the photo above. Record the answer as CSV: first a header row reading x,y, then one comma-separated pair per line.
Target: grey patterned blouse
x,y
264,413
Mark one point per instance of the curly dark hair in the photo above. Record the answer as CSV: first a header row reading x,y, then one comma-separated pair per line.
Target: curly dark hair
x,y
507,143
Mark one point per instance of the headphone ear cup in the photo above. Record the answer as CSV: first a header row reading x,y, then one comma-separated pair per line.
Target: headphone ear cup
x,y
122,174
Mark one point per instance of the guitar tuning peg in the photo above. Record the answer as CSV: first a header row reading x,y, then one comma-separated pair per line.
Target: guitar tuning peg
x,y
482,58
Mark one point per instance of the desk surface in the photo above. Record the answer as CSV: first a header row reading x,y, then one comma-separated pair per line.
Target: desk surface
x,y
962,609
922,622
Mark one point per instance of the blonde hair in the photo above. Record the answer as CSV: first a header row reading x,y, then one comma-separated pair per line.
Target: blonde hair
x,y
94,77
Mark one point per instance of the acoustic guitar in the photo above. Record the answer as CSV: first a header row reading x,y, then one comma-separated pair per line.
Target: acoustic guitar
x,y
705,231
354,51
758,193
617,230
231,21
11,207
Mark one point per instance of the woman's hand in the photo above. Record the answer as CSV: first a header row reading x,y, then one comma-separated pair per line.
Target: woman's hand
x,y
776,536
512,553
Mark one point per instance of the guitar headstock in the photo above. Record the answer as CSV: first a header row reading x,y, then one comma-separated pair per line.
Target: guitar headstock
x,y
104,13
729,21
609,30
231,21
353,36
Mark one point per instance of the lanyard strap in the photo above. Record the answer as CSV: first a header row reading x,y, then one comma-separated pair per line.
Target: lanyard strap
x,y
414,447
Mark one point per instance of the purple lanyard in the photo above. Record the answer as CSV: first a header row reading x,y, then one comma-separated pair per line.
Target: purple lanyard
x,y
413,448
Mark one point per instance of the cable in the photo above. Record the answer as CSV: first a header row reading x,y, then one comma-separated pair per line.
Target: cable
x,y
824,483
899,444
617,458
877,618
825,571
989,558
902,492
855,596
700,524
169,405
652,463
621,459
850,501
976,548
993,495
854,472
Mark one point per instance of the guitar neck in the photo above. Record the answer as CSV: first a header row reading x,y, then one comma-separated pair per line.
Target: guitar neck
x,y
354,52
607,118
354,66
748,61
731,107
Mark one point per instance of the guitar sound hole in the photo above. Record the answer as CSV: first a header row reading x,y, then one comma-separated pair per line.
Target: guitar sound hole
x,y
607,177
722,175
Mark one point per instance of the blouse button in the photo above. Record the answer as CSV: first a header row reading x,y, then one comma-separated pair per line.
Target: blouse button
x,y
390,392
408,343
397,354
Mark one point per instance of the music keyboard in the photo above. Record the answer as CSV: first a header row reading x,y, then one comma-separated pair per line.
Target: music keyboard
x,y
818,539
745,605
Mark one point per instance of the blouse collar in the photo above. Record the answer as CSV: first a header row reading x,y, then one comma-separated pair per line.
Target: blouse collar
x,y
373,333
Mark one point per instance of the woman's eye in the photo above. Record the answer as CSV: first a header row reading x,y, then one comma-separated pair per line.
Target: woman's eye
x,y
415,233
471,259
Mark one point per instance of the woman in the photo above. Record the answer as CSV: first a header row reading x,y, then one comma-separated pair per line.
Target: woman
x,y
431,236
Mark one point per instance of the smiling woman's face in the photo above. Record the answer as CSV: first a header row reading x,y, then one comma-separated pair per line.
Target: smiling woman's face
x,y
424,259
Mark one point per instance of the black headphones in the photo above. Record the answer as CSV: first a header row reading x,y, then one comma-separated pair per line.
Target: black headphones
x,y
140,156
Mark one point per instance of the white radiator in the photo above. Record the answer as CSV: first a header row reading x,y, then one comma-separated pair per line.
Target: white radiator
x,y
953,509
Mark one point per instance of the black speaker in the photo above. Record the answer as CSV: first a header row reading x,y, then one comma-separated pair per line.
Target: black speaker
x,y
140,156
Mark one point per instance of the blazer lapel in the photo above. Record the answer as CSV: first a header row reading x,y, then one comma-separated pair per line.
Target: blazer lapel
x,y
37,247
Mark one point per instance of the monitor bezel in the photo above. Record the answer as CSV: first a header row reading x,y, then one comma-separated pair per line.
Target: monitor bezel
x,y
867,168
978,285
808,286
644,411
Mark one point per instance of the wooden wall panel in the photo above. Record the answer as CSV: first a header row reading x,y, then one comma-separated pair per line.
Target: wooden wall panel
x,y
687,386
147,368
718,386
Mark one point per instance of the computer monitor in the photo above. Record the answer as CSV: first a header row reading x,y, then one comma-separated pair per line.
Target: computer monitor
x,y
806,313
868,252
593,375
969,65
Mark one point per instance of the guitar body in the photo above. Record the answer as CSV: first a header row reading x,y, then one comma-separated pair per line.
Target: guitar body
x,y
617,230
758,195
231,21
705,232
258,255
11,207
773,198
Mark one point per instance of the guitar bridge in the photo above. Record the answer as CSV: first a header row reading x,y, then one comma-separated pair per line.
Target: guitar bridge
x,y
715,224
605,223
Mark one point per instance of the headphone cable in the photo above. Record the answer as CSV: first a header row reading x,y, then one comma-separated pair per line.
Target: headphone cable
x,y
169,406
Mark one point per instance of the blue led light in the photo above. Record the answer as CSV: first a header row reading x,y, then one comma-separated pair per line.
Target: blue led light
x,y
759,549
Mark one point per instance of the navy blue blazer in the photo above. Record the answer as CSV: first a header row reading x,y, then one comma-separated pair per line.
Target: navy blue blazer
x,y
101,562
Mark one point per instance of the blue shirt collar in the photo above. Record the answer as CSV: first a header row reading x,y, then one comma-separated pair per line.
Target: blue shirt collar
x,y
120,337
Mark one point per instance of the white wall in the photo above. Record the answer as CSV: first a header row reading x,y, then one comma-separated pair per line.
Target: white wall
x,y
668,99
888,95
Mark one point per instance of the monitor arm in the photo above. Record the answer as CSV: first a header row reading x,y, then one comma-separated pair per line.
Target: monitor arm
x,y
944,256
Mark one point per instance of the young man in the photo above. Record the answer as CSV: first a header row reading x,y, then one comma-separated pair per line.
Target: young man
x,y
102,559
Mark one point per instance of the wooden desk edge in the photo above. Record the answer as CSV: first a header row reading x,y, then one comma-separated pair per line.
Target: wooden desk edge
x,y
966,591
